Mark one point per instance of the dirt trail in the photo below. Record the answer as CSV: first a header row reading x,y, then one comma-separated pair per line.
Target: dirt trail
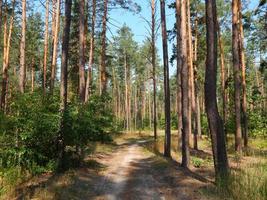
x,y
132,174
118,174
131,171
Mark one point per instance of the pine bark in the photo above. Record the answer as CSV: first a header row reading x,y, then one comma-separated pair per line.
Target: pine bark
x,y
64,77
214,119
185,88
153,45
46,45
7,44
81,51
237,78
243,76
179,66
22,74
103,75
55,45
167,142
91,55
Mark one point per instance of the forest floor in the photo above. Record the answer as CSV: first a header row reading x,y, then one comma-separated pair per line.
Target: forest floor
x,y
131,168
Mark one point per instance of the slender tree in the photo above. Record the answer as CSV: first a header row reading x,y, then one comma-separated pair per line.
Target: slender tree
x,y
243,75
22,75
179,66
91,54
81,51
184,87
237,79
7,45
46,44
55,46
167,142
214,119
153,47
64,76
103,75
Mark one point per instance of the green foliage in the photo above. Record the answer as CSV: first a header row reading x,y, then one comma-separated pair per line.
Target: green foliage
x,y
29,132
197,162
89,122
247,184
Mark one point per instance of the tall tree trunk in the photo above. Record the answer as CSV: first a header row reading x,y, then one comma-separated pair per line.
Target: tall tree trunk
x,y
22,74
179,66
195,104
126,91
46,44
243,69
222,62
214,119
191,95
237,81
55,45
32,75
7,43
153,45
91,55
184,87
64,77
81,51
103,75
167,142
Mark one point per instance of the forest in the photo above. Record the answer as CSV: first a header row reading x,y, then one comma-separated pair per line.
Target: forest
x,y
88,111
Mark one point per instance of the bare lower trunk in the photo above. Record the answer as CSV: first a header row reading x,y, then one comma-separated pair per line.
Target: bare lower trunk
x,y
81,51
46,45
55,45
91,55
237,81
167,142
7,43
103,75
214,119
64,78
243,69
185,88
32,75
179,66
22,74
153,24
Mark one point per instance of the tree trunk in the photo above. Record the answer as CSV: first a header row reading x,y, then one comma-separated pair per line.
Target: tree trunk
x,y
237,81
22,74
91,55
179,66
214,119
64,76
46,43
55,45
167,142
195,103
103,75
191,95
153,45
126,92
243,69
32,75
224,96
7,40
81,51
184,87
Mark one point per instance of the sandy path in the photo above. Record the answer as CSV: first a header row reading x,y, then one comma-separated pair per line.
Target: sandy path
x,y
121,164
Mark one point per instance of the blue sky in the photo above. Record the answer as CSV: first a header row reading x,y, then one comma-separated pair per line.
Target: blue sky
x,y
138,24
